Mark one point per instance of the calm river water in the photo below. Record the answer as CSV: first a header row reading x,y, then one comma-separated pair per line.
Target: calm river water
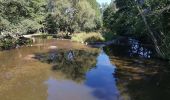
x,y
57,70
63,70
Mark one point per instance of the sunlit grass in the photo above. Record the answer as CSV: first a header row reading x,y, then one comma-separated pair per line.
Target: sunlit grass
x,y
87,37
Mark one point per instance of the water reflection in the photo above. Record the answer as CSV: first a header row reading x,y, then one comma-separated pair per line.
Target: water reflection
x,y
102,79
143,83
63,73
68,90
77,75
73,63
99,82
131,48
70,55
140,79
136,48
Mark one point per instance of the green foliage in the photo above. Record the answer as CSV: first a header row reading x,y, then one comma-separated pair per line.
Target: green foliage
x,y
9,42
23,41
51,24
52,16
109,36
72,16
30,26
95,6
87,37
142,18
21,16
3,24
109,18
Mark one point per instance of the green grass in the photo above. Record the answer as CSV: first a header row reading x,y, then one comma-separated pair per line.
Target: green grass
x,y
87,37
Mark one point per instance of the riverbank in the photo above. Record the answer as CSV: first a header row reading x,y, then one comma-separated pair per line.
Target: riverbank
x,y
93,39
10,42
75,62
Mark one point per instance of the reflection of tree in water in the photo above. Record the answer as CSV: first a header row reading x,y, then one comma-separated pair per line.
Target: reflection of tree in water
x,y
139,79
142,79
150,88
73,63
130,48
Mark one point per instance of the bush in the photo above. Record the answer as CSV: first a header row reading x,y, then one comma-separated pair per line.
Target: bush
x,y
7,42
109,36
63,35
87,37
23,41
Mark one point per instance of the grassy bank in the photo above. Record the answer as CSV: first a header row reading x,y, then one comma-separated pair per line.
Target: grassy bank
x,y
87,37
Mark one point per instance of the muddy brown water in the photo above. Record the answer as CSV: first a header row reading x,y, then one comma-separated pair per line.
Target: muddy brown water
x,y
53,69
27,73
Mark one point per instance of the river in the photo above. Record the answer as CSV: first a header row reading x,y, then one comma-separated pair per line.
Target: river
x,y
53,69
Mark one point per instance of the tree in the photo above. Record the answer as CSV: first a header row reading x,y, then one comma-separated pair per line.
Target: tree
x,y
17,13
30,16
142,18
73,16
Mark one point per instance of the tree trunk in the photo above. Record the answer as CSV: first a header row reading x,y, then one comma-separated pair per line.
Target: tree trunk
x,y
151,34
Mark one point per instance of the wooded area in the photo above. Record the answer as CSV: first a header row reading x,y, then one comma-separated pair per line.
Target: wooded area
x,y
148,20
84,49
52,16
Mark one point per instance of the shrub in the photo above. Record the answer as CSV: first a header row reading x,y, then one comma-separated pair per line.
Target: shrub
x,y
23,41
63,35
109,36
7,42
87,37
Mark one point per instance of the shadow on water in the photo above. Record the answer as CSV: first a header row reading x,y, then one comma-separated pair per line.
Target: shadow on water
x,y
142,81
84,73
139,77
130,47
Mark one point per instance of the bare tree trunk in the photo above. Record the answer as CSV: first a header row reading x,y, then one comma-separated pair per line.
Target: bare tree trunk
x,y
150,33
